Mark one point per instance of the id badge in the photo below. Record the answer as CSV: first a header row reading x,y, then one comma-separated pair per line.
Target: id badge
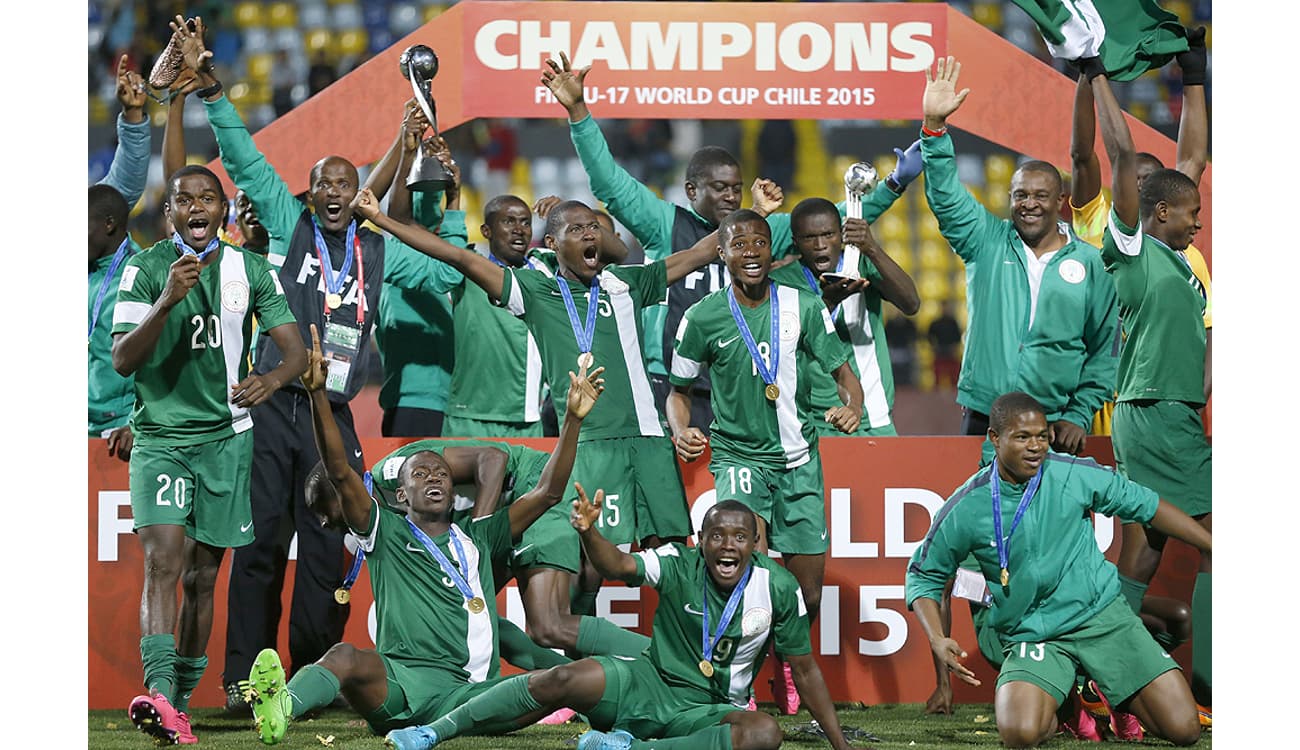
x,y
340,348
971,586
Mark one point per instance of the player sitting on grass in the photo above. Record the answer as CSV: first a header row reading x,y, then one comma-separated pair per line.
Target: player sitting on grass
x,y
437,636
719,607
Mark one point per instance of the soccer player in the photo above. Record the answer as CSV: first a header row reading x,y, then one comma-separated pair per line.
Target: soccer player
x,y
432,578
765,346
720,605
1041,308
589,308
1056,602
1158,434
853,275
184,312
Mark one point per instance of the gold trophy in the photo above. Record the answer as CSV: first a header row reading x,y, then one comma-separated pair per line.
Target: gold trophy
x,y
419,65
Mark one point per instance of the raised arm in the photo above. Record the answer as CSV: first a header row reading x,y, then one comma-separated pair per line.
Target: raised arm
x,y
476,268
895,285
355,500
129,171
1119,145
1194,124
611,562
1085,175
703,252
485,467
387,168
584,389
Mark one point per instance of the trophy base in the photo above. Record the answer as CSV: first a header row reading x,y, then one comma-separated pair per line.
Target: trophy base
x,y
437,185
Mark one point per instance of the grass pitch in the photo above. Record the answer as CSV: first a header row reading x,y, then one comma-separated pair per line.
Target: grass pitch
x,y
897,726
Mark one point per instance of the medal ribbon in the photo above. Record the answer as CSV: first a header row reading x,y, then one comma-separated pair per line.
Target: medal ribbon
x,y
996,490
527,262
817,290
586,333
355,571
333,281
769,377
728,612
187,250
447,567
118,257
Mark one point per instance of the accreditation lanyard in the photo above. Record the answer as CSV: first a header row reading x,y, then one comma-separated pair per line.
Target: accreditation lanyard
x,y
447,567
728,613
333,281
123,250
996,490
768,375
583,333
341,594
817,289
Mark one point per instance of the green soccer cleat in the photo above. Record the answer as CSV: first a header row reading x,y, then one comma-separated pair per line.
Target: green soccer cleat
x,y
269,697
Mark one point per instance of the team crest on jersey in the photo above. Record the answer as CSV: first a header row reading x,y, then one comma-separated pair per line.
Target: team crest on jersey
x,y
789,325
755,621
612,284
1072,271
234,296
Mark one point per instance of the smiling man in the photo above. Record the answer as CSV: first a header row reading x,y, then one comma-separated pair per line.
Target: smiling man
x,y
1042,316
1054,600
720,607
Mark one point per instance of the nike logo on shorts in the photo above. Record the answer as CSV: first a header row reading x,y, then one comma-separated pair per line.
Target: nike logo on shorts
x,y
724,343
356,453
823,535
243,529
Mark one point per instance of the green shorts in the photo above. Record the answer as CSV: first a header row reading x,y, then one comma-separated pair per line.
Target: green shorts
x,y
1113,648
481,428
418,694
1162,445
201,487
827,430
551,542
642,483
637,700
791,501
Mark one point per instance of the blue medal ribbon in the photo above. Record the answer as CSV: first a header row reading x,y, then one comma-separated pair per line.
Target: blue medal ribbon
x,y
527,262
123,250
728,613
187,250
584,334
447,567
333,281
816,288
996,490
360,557
769,376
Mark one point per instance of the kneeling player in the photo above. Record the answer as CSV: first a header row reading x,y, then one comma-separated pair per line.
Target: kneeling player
x,y
437,636
719,607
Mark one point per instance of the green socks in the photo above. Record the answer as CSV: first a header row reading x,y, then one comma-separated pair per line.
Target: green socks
x,y
313,687
583,602
158,652
1201,632
1132,591
494,710
523,652
189,670
714,738
598,636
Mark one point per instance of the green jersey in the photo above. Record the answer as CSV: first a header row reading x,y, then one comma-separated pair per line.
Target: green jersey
x,y
776,434
109,396
771,609
1162,310
627,407
422,616
1059,579
182,391
858,324
521,462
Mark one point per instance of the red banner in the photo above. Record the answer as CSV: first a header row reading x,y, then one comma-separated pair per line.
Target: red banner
x,y
880,495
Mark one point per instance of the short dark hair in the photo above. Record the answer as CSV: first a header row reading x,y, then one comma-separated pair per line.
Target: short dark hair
x,y
705,160
738,216
809,207
731,506
1146,157
1009,406
104,203
499,203
1164,186
555,218
186,171
1038,165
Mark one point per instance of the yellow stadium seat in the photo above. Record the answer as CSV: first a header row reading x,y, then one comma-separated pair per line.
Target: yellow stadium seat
x,y
318,41
998,168
989,15
281,15
351,42
239,95
934,285
891,228
927,226
433,11
997,198
902,255
98,111
259,66
248,15
934,256
1180,8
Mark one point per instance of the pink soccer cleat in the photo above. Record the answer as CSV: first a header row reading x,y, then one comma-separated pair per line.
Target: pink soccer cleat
x,y
1123,726
561,715
154,715
1081,725
783,690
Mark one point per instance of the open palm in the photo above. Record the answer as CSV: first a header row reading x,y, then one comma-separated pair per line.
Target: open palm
x,y
942,97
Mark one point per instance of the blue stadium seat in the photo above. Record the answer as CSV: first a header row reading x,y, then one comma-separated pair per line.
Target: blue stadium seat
x,y
404,17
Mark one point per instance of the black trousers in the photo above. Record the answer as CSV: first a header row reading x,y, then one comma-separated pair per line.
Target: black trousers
x,y
409,421
974,422
701,406
284,452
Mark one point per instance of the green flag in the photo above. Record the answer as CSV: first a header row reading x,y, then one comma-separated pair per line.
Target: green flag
x,y
1130,36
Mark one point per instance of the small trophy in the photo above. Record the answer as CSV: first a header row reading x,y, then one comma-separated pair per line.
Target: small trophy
x,y
859,180
419,66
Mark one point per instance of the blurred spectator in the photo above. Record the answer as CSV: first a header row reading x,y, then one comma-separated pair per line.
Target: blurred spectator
x,y
647,150
945,339
320,75
900,332
497,146
776,152
283,79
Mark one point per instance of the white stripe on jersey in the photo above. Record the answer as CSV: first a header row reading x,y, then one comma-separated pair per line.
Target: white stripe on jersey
x,y
232,328
650,558
1129,244
758,595
857,319
643,400
516,302
130,312
479,641
533,382
788,423
683,367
